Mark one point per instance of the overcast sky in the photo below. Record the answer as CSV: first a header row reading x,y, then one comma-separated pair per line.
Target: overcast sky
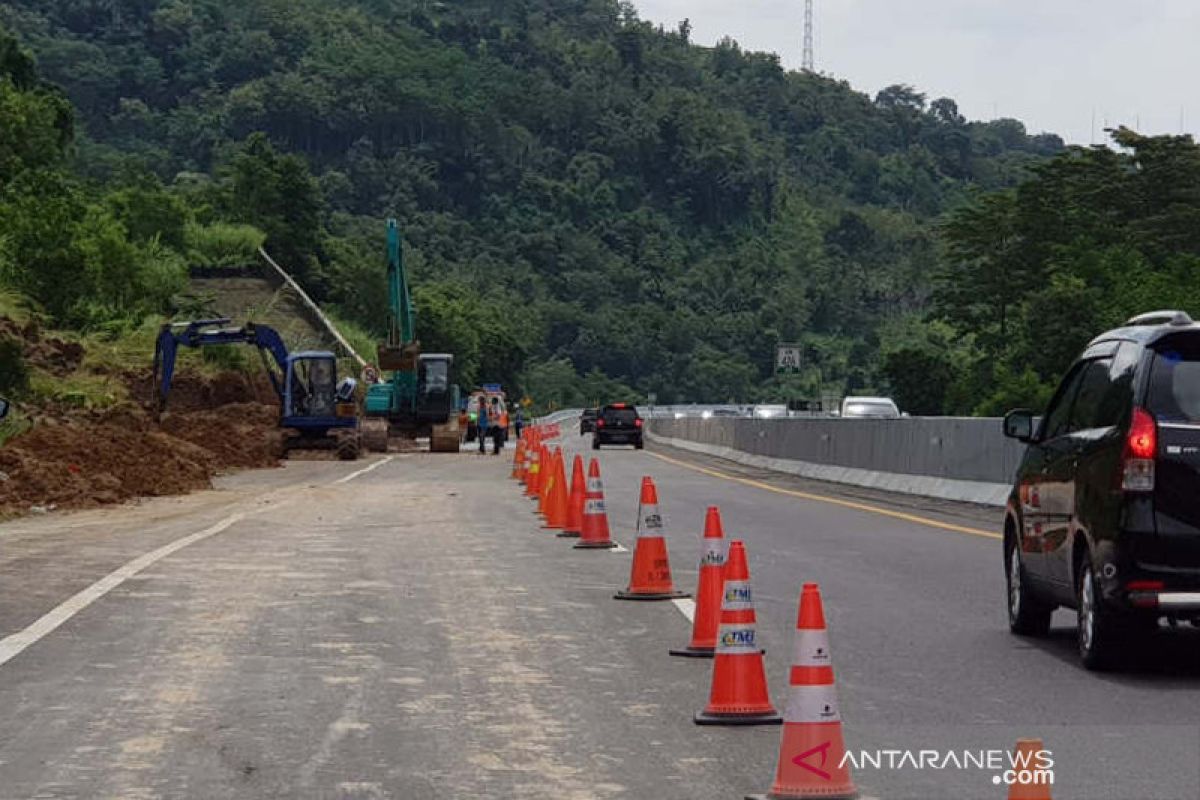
x,y
1049,63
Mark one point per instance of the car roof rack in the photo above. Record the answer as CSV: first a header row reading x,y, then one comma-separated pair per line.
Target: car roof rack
x,y
1165,317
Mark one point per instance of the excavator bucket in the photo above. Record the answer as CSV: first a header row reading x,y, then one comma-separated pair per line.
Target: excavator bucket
x,y
399,358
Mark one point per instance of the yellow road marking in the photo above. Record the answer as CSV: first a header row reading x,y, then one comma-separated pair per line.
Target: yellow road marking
x,y
820,498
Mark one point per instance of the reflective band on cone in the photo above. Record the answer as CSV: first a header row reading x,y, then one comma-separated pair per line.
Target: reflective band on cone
x,y
650,573
738,695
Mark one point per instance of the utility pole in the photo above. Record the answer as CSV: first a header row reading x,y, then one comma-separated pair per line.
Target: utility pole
x,y
807,63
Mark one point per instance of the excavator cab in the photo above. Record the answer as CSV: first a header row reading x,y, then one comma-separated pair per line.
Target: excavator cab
x,y
437,398
312,389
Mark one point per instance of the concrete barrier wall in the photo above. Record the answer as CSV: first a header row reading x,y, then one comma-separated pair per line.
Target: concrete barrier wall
x,y
949,457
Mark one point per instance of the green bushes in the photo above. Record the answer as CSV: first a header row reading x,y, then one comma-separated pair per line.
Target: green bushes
x,y
222,245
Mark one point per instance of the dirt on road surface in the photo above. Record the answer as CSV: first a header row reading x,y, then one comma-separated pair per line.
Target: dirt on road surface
x,y
80,459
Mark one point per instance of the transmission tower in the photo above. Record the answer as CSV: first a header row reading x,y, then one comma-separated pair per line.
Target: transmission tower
x,y
807,62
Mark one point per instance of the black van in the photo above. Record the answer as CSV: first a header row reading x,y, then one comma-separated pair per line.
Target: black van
x,y
1104,516
617,423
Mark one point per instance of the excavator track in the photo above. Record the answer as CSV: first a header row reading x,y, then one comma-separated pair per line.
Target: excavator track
x,y
374,435
445,438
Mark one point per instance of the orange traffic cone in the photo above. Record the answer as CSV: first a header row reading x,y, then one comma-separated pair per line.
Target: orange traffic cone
x,y
594,533
739,683
1035,785
650,573
708,590
811,749
574,525
534,475
556,502
546,481
518,459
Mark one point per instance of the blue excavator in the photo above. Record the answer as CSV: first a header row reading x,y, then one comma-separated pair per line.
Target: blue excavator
x,y
417,398
316,411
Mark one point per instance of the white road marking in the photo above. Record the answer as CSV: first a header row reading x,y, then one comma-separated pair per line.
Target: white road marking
x,y
15,644
687,607
363,471
12,646
619,548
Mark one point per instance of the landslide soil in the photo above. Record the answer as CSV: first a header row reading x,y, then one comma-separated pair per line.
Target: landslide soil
x,y
74,458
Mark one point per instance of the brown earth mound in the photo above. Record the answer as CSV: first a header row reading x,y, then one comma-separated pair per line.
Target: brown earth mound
x,y
56,356
92,458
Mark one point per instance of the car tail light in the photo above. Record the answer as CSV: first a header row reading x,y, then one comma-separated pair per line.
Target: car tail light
x,y
637,423
1141,446
1145,586
599,423
1144,594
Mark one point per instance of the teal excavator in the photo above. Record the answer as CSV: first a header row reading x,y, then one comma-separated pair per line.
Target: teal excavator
x,y
416,396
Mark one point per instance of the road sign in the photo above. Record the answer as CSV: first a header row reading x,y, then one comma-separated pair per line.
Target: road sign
x,y
787,358
651,398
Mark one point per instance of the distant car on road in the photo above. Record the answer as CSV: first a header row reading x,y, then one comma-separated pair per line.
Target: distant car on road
x,y
587,420
1104,516
870,408
618,423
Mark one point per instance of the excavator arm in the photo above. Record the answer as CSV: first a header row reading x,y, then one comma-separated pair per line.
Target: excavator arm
x,y
208,332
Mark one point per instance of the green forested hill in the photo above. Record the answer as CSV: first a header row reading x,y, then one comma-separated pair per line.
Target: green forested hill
x,y
590,202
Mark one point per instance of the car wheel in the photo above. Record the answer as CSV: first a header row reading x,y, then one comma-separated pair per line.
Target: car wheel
x,y
639,444
595,444
1028,615
1101,632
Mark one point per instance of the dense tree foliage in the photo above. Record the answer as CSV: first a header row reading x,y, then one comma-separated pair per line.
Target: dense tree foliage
x,y
1094,236
583,194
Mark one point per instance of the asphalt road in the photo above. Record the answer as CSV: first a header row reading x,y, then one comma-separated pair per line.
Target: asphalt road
x,y
410,632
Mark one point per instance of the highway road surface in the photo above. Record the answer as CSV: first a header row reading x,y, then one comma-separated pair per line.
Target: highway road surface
x,y
403,628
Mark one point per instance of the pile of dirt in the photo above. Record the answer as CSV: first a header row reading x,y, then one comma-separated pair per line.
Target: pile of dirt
x,y
49,353
194,392
86,459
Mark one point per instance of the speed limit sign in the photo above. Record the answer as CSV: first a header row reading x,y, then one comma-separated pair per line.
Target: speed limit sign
x,y
370,374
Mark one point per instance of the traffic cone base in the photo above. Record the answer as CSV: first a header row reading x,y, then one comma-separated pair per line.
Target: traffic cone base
x,y
568,535
596,546
625,594
693,652
762,718
700,652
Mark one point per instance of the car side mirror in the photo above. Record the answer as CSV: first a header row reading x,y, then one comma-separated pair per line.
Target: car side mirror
x,y
1018,425
3,408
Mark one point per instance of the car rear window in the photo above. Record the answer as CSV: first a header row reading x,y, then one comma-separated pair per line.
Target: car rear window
x,y
621,415
870,409
1174,393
